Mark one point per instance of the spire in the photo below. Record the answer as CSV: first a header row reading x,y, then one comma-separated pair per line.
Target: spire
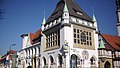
x,y
65,7
102,44
94,18
44,21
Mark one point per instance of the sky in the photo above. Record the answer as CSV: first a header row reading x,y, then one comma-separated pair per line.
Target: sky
x,y
25,16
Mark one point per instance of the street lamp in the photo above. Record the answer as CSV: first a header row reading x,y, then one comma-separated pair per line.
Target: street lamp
x,y
12,45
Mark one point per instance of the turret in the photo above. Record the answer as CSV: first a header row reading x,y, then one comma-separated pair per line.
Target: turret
x,y
118,16
43,23
65,15
95,22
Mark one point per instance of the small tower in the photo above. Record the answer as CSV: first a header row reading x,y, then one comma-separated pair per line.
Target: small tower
x,y
95,21
43,22
118,16
65,15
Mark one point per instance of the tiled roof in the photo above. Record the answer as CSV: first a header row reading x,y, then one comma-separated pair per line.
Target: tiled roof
x,y
107,47
11,52
73,9
114,41
3,58
34,36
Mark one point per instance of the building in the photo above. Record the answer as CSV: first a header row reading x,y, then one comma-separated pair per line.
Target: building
x,y
109,46
118,15
109,51
68,38
29,55
14,60
6,60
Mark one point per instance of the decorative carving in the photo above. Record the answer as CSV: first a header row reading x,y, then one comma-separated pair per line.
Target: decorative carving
x,y
85,55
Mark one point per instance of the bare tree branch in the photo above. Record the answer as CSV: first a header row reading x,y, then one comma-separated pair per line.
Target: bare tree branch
x,y
1,9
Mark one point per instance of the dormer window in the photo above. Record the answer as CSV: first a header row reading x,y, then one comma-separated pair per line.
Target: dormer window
x,y
52,39
79,13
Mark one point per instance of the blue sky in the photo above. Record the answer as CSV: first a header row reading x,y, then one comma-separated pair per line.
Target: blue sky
x,y
25,16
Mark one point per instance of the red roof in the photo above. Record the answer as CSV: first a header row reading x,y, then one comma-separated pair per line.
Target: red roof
x,y
35,35
11,53
114,41
8,53
107,47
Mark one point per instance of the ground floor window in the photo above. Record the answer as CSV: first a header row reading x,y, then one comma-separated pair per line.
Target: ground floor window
x,y
75,61
60,60
107,65
116,64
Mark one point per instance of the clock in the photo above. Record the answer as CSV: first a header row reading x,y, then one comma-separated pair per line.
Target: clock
x,y
85,55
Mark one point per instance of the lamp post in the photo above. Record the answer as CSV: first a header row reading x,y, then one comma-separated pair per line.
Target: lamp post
x,y
12,45
10,54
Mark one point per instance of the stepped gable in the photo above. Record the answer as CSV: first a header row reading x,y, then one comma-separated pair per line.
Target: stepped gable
x,y
73,8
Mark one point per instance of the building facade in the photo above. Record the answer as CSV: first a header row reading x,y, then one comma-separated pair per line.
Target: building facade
x,y
109,51
6,60
29,55
67,39
109,46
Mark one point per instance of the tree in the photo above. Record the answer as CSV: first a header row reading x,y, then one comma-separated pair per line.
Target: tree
x,y
1,9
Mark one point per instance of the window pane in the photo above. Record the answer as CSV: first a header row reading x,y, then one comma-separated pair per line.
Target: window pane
x,y
75,30
74,35
78,36
74,40
78,41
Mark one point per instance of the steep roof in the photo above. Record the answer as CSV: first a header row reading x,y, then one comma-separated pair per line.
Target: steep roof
x,y
114,41
73,8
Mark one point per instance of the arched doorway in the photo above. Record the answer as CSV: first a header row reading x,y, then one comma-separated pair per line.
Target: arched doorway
x,y
51,61
107,65
60,60
44,62
34,61
92,61
73,61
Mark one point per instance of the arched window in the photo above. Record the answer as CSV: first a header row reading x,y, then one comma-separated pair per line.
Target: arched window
x,y
92,60
107,65
51,60
60,60
83,38
44,60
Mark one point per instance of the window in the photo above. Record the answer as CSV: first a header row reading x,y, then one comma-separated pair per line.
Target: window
x,y
92,60
52,39
82,37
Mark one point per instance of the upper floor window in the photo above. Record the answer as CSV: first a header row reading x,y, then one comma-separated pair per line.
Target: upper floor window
x,y
82,37
52,39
